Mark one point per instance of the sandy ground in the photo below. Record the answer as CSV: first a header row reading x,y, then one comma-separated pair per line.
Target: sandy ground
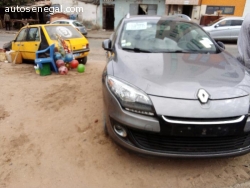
x,y
51,136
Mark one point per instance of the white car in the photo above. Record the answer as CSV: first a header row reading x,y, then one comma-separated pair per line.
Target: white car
x,y
225,28
74,23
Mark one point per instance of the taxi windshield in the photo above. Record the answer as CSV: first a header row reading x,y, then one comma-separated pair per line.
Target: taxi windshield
x,y
165,36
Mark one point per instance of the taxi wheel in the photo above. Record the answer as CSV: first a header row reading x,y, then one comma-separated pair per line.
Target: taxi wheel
x,y
83,60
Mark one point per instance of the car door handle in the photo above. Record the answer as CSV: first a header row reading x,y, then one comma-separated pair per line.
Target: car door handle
x,y
35,44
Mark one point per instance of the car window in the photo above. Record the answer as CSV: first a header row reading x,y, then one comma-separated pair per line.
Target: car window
x,y
56,22
64,22
22,35
77,24
225,23
213,22
237,22
164,36
33,34
65,32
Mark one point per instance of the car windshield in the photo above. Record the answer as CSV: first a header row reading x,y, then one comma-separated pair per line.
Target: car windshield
x,y
65,31
159,36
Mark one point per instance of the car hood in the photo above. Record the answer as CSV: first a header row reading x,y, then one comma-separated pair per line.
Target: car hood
x,y
207,28
178,75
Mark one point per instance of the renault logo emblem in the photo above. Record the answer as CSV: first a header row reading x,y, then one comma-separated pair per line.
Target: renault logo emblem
x,y
203,96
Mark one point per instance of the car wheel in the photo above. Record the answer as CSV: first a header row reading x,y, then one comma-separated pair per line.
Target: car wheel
x,y
83,60
105,130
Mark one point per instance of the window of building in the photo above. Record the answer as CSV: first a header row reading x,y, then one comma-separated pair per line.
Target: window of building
x,y
224,9
143,9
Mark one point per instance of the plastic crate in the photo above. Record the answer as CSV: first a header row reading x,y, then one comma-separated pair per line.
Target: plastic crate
x,y
45,70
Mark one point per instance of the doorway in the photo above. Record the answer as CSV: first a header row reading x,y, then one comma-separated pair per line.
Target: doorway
x,y
187,10
108,17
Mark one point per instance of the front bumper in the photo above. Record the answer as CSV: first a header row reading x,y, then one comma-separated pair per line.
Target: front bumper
x,y
149,135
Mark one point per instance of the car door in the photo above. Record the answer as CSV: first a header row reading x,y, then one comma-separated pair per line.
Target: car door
x,y
31,44
235,28
221,30
18,43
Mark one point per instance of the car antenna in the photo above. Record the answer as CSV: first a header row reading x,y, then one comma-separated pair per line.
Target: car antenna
x,y
128,15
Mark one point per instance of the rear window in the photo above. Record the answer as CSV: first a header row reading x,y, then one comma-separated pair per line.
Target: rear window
x,y
65,31
77,24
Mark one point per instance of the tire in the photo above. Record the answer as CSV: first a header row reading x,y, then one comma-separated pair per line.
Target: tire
x,y
83,60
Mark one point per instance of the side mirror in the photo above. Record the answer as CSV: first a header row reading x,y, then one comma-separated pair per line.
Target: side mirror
x,y
106,44
216,26
221,44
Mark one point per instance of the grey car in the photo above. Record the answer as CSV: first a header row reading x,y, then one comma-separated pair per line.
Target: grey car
x,y
74,23
170,90
227,28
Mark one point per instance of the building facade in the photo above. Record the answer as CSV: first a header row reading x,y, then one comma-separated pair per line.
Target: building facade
x,y
190,8
227,7
87,12
112,11
108,13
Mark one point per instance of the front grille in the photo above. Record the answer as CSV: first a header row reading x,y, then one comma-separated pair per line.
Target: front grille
x,y
164,143
194,127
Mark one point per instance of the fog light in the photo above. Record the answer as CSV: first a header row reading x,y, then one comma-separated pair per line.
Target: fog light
x,y
120,130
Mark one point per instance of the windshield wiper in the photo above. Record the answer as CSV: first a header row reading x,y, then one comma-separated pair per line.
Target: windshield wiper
x,y
171,51
137,50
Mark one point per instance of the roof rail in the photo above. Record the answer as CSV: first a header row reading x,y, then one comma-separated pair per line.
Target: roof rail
x,y
183,16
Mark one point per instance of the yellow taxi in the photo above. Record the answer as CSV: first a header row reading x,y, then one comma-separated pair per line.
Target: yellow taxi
x,y
32,38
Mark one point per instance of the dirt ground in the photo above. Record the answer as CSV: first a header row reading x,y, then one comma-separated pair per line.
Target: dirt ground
x,y
51,136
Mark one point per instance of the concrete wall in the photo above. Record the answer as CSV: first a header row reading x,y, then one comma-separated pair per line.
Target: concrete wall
x,y
86,11
64,3
122,8
90,12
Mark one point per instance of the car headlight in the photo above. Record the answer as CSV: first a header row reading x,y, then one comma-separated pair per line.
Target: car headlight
x,y
131,98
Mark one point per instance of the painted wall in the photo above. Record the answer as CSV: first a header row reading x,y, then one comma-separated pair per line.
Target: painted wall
x,y
122,8
64,3
247,8
90,12
85,11
239,5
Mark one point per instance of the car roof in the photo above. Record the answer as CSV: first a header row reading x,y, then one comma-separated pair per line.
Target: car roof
x,y
232,17
42,25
